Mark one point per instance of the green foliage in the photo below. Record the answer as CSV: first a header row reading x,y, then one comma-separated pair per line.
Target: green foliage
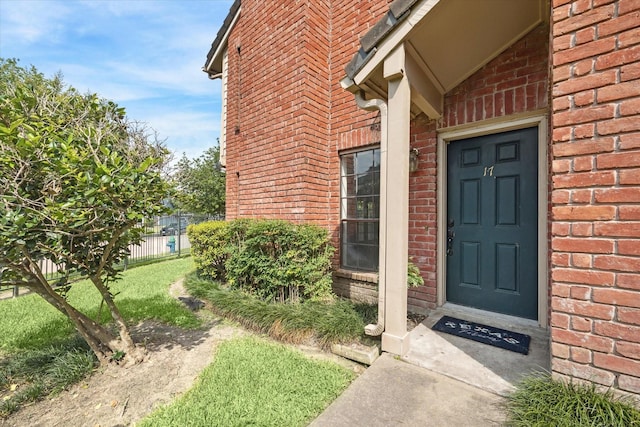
x,y
255,383
414,279
542,401
209,247
326,322
272,259
77,178
77,181
200,183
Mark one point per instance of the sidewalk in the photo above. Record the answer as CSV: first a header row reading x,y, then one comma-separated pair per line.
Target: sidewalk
x,y
395,393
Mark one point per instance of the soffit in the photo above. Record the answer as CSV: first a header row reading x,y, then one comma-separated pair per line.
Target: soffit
x,y
458,37
448,39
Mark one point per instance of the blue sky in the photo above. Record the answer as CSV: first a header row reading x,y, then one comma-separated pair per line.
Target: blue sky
x,y
146,55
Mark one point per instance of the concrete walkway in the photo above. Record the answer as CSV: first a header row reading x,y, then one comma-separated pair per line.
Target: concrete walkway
x,y
484,366
393,392
443,380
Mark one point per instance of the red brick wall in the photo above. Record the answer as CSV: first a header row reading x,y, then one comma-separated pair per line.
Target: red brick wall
x,y
514,82
596,191
423,214
278,111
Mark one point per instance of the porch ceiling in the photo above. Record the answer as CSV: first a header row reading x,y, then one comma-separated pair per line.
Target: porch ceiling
x,y
446,41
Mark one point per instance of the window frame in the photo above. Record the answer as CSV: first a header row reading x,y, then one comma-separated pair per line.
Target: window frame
x,y
365,219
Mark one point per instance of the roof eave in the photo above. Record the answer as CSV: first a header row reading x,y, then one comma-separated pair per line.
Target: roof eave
x,y
213,64
378,43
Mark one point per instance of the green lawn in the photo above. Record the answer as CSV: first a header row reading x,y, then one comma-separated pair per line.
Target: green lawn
x,y
252,382
28,322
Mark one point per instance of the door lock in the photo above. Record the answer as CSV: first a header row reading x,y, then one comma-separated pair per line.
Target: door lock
x,y
450,235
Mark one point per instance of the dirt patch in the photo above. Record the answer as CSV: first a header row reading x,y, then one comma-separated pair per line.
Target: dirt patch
x,y
414,319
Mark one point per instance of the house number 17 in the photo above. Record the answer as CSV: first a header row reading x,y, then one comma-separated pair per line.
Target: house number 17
x,y
488,170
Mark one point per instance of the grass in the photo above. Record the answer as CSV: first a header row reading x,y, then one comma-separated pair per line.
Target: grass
x,y
29,322
40,353
542,401
254,382
27,376
328,323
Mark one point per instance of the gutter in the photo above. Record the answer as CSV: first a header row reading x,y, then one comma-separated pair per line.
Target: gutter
x,y
380,105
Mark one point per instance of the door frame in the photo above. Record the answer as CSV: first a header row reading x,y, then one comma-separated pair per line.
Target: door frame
x,y
488,127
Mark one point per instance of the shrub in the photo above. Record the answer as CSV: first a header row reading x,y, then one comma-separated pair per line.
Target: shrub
x,y
209,241
272,259
324,322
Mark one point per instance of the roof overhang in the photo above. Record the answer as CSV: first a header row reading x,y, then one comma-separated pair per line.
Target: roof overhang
x,y
213,64
445,41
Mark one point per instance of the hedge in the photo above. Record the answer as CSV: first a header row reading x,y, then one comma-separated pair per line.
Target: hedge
x,y
272,259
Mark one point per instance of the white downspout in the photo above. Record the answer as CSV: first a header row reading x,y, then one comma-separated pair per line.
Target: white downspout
x,y
371,105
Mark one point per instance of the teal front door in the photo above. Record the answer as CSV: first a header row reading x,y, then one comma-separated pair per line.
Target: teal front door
x,y
492,217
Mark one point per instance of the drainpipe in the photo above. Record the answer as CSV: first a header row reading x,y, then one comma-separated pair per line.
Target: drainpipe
x,y
380,105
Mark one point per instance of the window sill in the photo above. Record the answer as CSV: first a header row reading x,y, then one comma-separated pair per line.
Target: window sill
x,y
361,276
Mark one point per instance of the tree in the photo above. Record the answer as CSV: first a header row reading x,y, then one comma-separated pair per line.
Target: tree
x,y
77,179
200,183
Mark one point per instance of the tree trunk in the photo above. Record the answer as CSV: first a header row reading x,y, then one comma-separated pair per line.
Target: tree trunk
x,y
101,341
133,353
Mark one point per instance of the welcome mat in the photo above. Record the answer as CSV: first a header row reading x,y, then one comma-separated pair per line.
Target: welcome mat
x,y
497,337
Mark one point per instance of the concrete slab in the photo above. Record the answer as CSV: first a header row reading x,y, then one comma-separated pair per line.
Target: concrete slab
x,y
358,352
490,368
392,392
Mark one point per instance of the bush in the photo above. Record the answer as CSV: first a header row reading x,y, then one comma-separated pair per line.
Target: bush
x,y
414,278
209,241
272,259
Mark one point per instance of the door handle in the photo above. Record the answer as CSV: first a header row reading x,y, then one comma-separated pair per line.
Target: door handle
x,y
450,235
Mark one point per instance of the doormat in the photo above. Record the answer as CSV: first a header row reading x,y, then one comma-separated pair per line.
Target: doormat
x,y
497,337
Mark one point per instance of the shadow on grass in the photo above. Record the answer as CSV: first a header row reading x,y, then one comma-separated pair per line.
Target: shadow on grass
x,y
50,333
157,336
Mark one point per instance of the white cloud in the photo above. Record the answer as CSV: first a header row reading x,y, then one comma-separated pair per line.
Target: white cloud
x,y
28,22
146,55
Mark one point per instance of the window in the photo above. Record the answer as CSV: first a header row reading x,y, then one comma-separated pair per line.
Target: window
x,y
360,209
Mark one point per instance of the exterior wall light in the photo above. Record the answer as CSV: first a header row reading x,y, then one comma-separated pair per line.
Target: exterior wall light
x,y
413,159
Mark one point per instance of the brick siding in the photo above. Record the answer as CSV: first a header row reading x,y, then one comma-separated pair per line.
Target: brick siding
x,y
595,279
278,112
